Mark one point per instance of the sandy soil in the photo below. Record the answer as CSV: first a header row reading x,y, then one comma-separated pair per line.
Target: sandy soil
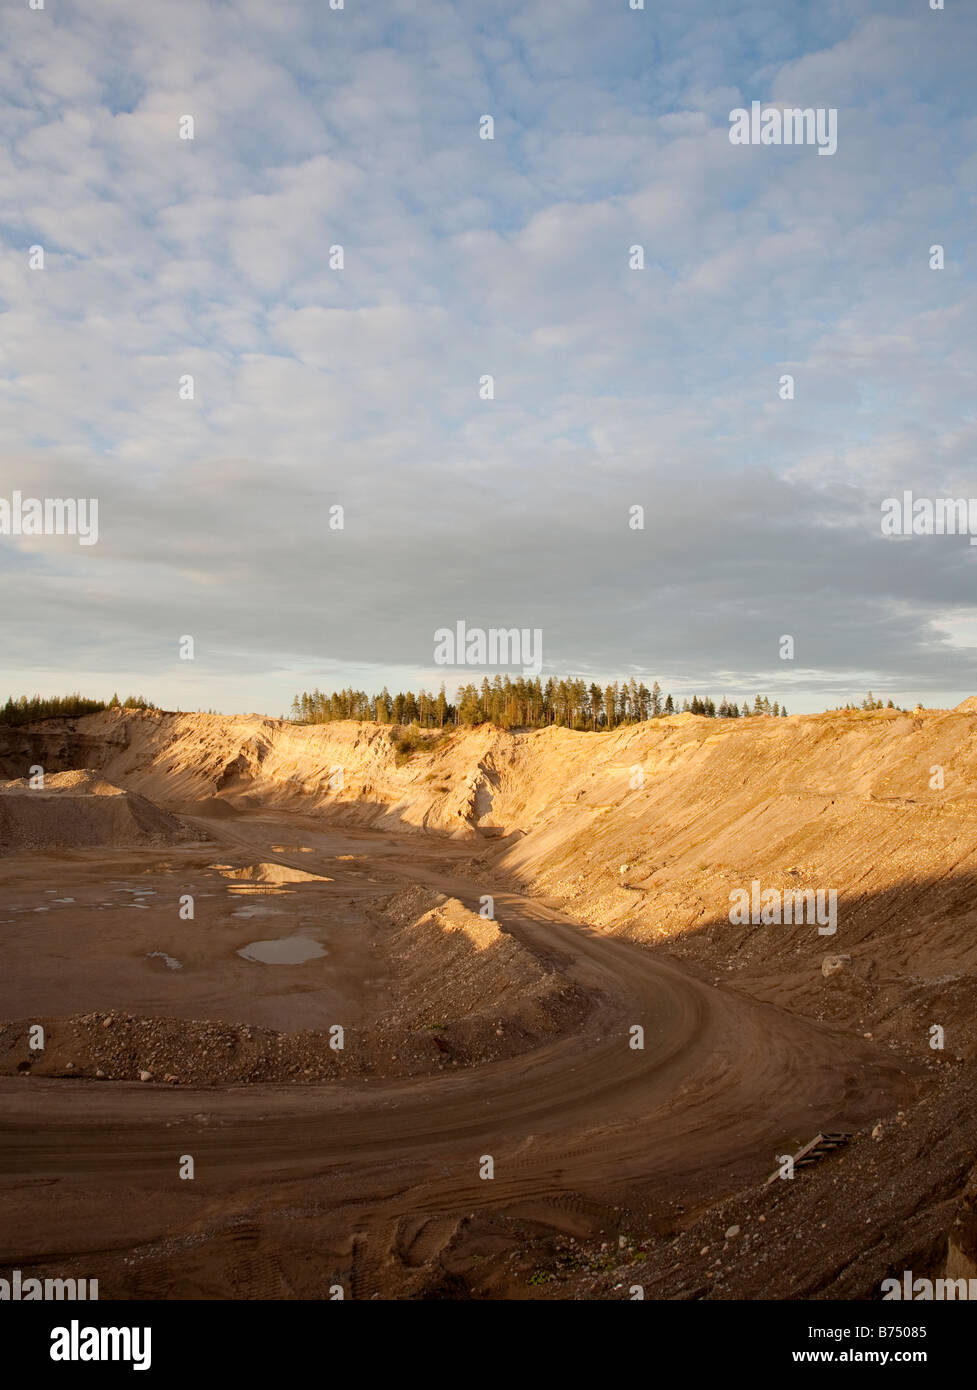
x,y
466,1037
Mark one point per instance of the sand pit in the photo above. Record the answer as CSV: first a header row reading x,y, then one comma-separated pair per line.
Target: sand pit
x,y
514,1037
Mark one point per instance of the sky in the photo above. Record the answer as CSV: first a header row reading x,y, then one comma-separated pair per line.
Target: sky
x,y
363,387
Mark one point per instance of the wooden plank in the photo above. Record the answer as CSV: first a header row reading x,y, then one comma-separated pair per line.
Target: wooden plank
x,y
816,1148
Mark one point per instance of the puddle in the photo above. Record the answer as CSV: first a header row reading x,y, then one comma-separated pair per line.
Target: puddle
x,y
287,950
64,900
171,961
259,890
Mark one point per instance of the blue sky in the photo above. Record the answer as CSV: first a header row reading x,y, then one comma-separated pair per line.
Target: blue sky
x,y
465,257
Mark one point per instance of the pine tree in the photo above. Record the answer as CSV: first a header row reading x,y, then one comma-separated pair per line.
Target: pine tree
x,y
549,695
595,704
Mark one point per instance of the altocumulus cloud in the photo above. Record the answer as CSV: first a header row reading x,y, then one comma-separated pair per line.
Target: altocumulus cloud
x,y
465,258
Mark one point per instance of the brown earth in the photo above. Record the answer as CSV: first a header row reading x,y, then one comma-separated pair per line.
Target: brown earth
x,y
497,912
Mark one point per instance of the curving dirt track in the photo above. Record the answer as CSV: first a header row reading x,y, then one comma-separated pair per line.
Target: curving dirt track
x,y
368,1185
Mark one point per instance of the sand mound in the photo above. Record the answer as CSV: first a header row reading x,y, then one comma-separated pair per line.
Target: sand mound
x,y
968,706
465,987
270,873
82,781
78,809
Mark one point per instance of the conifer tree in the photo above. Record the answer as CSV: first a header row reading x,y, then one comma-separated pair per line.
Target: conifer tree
x,y
595,704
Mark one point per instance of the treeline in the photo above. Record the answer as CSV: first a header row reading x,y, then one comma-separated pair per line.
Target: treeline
x,y
27,709
870,703
521,704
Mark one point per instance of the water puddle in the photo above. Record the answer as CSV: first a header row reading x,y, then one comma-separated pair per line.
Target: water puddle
x,y
287,950
259,890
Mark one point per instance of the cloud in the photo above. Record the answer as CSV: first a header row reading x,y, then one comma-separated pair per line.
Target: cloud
x,y
465,257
